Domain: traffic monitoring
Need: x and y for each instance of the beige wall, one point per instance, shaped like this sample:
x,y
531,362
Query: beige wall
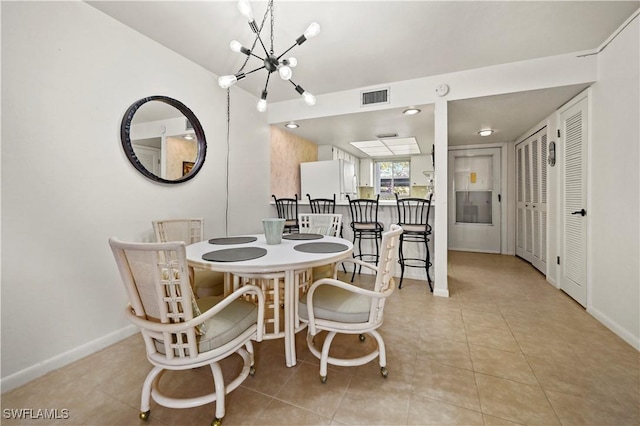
x,y
178,151
287,152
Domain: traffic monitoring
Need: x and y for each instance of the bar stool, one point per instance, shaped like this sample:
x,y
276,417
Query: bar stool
x,y
325,206
413,217
288,210
365,226
322,205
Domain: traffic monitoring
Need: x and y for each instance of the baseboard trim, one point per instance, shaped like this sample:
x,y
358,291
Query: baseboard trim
x,y
620,331
40,369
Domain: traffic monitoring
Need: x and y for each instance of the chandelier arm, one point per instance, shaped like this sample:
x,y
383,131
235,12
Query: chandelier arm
x,y
252,71
256,56
257,31
267,82
266,52
287,51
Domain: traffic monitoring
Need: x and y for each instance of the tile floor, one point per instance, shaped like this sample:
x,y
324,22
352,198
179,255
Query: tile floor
x,y
505,348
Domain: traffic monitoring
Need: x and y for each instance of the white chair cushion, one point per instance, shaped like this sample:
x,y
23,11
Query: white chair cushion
x,y
208,283
225,326
337,304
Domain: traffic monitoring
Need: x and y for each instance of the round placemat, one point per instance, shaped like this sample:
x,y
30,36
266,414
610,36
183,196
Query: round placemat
x,y
321,247
302,236
232,240
234,254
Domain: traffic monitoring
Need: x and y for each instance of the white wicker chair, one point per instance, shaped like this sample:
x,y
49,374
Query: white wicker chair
x,y
339,307
320,223
205,282
177,335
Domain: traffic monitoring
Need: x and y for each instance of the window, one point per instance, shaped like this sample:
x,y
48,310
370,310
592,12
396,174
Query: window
x,y
392,177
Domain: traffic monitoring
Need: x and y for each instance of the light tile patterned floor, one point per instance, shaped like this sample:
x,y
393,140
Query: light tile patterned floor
x,y
505,348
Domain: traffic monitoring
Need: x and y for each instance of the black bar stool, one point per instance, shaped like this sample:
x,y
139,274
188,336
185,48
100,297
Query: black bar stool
x,y
322,205
288,210
365,226
413,217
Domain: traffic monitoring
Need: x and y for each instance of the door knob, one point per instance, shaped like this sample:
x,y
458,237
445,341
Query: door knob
x,y
582,212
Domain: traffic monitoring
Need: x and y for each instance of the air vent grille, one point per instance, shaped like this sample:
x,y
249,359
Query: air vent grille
x,y
379,96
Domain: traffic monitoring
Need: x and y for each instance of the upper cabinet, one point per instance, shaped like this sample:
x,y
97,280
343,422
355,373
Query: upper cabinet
x,y
420,164
366,172
330,152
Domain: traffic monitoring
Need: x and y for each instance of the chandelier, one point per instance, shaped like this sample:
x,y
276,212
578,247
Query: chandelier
x,y
271,62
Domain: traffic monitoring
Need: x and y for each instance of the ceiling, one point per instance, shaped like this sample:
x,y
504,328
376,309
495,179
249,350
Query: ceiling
x,y
368,43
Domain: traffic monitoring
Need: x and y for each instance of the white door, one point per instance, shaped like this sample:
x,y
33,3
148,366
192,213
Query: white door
x,y
573,261
531,217
474,206
149,158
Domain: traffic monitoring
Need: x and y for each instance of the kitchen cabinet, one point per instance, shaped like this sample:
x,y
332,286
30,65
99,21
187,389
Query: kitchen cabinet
x,y
366,172
420,164
330,152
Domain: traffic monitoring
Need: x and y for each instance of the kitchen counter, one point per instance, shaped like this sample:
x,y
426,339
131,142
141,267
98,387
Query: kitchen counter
x,y
387,215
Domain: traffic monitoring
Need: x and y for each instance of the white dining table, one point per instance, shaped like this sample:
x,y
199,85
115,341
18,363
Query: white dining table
x,y
281,258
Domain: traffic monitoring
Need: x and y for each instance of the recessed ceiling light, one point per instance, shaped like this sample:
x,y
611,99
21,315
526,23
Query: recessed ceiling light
x,y
189,137
411,111
485,132
291,125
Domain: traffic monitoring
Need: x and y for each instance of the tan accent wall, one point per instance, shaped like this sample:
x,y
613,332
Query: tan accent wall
x,y
287,152
178,151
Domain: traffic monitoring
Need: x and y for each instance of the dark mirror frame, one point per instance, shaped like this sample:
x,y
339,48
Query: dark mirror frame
x,y
125,138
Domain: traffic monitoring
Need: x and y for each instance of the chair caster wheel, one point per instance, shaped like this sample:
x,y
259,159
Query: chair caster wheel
x,y
216,422
362,337
252,371
145,415
323,379
384,372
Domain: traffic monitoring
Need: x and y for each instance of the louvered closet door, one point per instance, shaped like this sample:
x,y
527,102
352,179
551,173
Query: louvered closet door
x,y
573,261
531,216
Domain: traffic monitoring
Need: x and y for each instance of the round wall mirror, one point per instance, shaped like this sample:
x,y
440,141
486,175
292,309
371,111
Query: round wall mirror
x,y
163,139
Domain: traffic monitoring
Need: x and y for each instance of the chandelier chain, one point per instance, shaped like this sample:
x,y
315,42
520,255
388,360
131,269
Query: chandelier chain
x,y
272,20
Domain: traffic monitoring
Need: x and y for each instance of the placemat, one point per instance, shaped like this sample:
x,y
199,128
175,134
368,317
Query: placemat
x,y
302,236
320,247
234,254
232,240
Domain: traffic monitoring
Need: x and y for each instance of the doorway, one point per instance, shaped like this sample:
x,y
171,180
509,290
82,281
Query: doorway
x,y
474,208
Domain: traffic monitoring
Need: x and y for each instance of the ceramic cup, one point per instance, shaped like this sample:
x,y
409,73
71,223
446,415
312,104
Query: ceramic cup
x,y
273,228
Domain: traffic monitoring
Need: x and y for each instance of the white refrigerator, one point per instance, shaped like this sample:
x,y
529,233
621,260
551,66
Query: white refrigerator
x,y
322,179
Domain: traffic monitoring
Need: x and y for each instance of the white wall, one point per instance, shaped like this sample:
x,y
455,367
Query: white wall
x,y
614,216
68,75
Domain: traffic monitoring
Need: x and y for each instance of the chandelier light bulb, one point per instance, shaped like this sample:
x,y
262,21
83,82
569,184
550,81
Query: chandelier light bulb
x,y
312,30
309,99
285,72
245,8
292,62
227,81
236,46
262,105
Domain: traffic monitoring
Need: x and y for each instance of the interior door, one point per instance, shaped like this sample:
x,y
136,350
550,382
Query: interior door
x,y
149,158
474,209
531,217
573,262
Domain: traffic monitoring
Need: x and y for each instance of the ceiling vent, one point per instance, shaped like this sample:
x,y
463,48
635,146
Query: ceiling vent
x,y
188,125
374,97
